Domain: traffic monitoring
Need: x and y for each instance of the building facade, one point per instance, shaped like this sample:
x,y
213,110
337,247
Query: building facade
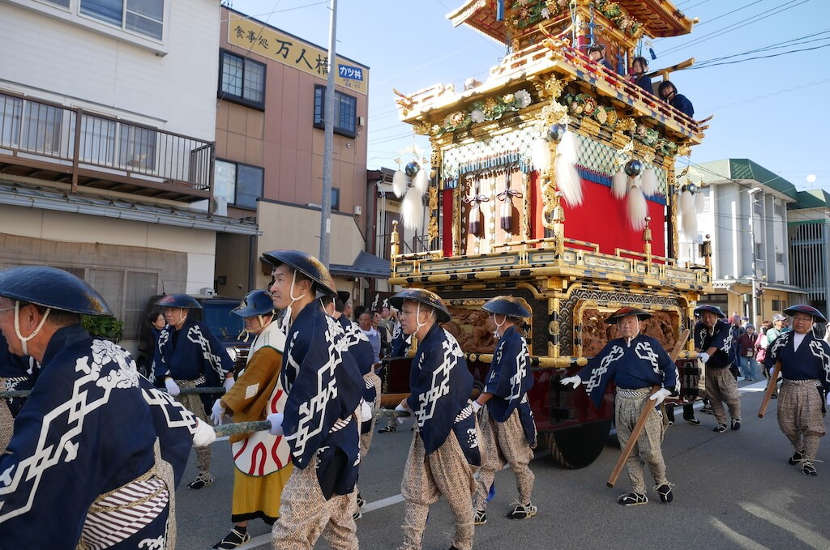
x,y
809,241
744,213
107,127
269,150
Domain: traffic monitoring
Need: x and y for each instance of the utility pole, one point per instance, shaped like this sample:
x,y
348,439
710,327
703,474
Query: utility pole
x,y
328,132
752,200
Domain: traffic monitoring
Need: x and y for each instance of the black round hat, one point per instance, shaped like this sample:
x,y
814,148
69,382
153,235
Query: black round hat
x,y
626,311
506,305
53,288
183,301
256,302
306,264
808,310
423,296
711,309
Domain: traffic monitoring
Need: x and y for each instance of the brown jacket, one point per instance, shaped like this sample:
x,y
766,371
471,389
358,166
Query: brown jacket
x,y
248,398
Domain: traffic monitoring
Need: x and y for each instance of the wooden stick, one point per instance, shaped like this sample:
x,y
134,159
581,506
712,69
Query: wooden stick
x,y
242,428
641,420
773,380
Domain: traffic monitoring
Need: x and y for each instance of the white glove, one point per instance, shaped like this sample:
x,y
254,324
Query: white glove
x,y
660,395
276,423
401,408
172,387
204,434
476,407
217,414
365,411
703,356
575,381
228,383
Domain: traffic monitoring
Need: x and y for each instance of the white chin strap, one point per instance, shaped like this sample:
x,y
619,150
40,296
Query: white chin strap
x,y
24,341
418,323
498,325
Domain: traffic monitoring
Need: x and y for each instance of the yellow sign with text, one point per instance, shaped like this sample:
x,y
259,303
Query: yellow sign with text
x,y
288,50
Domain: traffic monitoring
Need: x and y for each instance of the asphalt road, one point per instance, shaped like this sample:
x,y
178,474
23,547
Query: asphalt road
x,y
733,490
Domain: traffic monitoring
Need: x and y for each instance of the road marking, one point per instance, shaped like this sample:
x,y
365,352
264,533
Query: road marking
x,y
799,530
737,538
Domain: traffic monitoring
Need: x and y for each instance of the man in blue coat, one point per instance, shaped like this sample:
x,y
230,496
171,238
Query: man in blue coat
x,y
97,451
320,419
508,432
715,341
445,441
802,400
636,362
188,355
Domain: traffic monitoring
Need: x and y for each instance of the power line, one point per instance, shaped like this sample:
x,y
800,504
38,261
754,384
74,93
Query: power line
x,y
721,16
284,10
779,8
761,57
777,45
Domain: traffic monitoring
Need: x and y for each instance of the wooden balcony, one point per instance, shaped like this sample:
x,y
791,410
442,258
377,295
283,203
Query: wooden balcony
x,y
48,141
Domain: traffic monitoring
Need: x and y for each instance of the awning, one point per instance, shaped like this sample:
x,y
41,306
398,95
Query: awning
x,y
364,265
93,205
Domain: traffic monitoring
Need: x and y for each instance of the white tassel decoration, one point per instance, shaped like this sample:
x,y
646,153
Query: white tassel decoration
x,y
567,176
540,154
637,208
421,180
700,200
649,182
412,211
399,183
619,184
688,214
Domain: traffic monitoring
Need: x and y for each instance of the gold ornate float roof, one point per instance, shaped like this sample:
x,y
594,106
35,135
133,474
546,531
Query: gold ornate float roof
x,y
660,18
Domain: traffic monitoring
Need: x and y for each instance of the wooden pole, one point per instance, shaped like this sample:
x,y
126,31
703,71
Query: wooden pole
x,y
641,421
773,380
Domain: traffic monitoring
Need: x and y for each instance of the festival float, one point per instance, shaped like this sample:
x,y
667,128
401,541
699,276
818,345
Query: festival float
x,y
554,181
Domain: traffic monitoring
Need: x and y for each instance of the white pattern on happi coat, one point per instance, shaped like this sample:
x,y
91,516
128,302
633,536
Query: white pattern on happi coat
x,y
440,379
316,406
615,354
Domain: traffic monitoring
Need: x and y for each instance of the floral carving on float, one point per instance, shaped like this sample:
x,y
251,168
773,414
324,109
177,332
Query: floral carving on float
x,y
492,108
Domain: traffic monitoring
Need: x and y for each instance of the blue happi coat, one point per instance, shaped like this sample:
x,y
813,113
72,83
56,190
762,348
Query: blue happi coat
x,y
88,427
361,351
811,361
20,373
638,363
440,385
722,337
509,380
324,388
191,353
400,342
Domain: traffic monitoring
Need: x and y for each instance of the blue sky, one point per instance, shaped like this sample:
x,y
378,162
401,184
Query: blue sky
x,y
774,111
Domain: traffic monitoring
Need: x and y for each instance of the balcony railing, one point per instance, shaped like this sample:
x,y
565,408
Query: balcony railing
x,y
46,140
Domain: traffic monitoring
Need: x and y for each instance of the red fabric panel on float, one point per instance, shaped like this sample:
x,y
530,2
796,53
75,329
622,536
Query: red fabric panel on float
x,y
602,219
446,221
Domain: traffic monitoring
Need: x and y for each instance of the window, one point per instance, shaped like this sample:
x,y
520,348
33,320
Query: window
x,y
248,185
779,257
778,305
345,107
137,148
779,209
42,128
142,16
11,112
241,80
62,3
239,184
335,198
